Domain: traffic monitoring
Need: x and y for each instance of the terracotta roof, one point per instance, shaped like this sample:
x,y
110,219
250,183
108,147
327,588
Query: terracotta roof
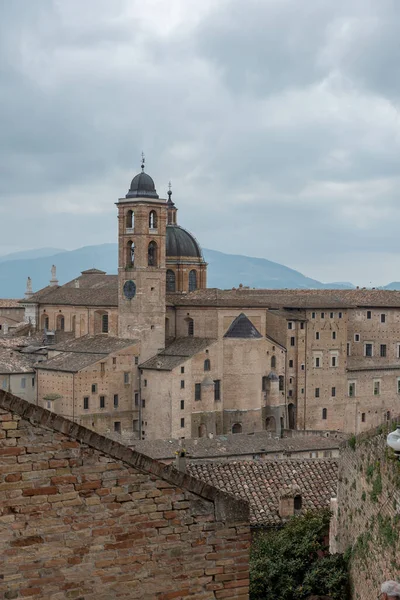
x,y
102,344
177,353
9,303
240,444
69,362
262,483
298,299
14,362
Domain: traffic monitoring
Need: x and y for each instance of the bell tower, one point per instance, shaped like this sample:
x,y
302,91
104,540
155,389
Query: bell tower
x,y
142,218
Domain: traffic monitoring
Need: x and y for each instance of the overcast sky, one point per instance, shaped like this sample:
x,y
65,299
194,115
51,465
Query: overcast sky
x,y
277,122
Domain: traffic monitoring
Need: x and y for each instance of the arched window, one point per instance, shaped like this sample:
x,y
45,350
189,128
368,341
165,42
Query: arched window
x,y
60,323
192,280
152,255
190,323
207,365
45,322
270,424
130,254
171,281
324,413
104,323
237,428
129,219
152,219
273,362
281,383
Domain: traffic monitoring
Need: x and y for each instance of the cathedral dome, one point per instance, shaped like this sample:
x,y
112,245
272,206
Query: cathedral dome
x,y
142,186
181,243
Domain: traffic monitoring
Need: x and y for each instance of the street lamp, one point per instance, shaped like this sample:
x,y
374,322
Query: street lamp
x,y
393,441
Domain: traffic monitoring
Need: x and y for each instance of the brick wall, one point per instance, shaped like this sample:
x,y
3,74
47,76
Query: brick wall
x,y
368,512
83,517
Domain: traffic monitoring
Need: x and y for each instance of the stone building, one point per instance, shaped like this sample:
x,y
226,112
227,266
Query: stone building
x,y
85,517
11,314
17,374
220,361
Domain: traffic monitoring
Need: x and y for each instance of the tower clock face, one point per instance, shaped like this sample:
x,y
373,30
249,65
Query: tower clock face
x,y
129,289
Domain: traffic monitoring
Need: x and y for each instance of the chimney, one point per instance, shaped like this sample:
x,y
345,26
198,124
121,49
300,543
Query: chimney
x,y
290,501
180,460
53,280
76,283
28,292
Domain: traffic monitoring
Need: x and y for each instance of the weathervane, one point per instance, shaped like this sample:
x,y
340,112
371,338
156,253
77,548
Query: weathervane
x,y
143,161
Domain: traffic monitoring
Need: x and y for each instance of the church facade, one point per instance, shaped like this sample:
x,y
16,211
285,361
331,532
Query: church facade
x,y
212,361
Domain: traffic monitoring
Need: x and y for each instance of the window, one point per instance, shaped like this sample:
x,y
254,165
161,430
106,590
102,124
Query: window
x,y
143,403
116,401
352,389
273,362
377,387
333,392
197,391
136,398
383,350
303,367
340,315
264,383
348,349
126,378
317,392
171,281
322,315
23,383
117,426
135,425
368,349
182,422
152,219
334,335
363,414
46,322
102,367
356,337
398,385
152,254
217,390
190,327
388,415
182,404
237,428
33,382
182,369
302,325
324,414
290,393
136,360
290,325
383,318
48,404
291,363
192,280
86,402
313,315
102,401
292,341
317,362
333,361
281,383
182,384
207,364
130,254
317,335
290,380
331,315
302,390
94,388
369,315
145,383
104,323
114,360
129,219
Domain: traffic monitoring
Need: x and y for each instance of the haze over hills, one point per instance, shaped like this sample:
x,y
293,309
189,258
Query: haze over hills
x,y
225,270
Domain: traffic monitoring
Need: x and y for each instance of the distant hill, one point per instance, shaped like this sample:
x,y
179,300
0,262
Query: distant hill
x,y
225,270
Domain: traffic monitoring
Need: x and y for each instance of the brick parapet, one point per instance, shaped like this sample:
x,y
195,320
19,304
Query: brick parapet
x,y
84,517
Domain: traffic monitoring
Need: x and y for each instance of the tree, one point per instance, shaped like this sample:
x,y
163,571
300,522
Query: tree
x,y
293,563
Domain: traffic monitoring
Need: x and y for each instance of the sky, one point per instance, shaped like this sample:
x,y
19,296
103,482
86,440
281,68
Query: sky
x,y
277,122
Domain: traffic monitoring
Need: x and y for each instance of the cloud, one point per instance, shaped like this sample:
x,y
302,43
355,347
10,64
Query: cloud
x,y
277,123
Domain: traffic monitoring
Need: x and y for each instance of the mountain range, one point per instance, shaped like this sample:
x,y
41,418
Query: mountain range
x,y
224,271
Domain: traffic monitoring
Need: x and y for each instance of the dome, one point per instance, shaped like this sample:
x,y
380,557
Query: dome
x,y
142,186
181,243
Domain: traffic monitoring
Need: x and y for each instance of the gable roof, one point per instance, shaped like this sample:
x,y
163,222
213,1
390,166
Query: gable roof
x,y
103,344
176,353
243,328
69,362
226,507
262,483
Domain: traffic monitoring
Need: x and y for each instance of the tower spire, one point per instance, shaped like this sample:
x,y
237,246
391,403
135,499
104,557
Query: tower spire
x,y
143,161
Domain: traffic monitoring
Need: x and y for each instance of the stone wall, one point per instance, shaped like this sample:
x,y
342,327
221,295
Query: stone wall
x,y
368,511
85,517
